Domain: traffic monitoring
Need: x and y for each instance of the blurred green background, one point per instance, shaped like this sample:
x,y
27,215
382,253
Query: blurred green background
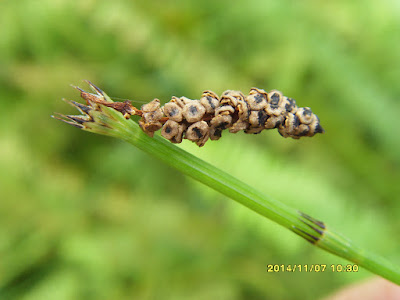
x,y
84,216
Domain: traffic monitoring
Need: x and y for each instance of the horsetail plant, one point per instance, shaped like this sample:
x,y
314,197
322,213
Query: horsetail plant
x,y
103,116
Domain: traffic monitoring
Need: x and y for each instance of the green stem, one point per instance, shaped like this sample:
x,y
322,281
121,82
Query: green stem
x,y
233,188
104,120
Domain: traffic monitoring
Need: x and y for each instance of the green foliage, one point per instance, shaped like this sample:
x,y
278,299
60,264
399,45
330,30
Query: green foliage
x,y
83,216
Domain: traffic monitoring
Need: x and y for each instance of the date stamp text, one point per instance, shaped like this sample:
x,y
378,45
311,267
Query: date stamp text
x,y
317,268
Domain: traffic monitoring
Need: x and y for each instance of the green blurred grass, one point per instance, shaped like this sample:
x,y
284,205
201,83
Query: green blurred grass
x,y
88,217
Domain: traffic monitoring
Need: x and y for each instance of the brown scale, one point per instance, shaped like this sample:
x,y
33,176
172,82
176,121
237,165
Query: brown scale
x,y
200,120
